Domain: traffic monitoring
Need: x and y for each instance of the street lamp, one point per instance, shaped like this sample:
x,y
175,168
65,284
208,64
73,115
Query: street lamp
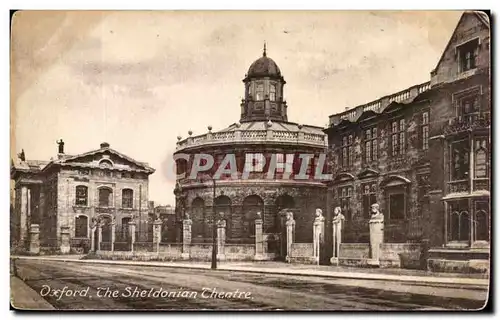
x,y
214,230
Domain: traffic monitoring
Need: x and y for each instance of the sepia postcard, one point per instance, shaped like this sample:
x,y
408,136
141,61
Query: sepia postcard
x,y
250,160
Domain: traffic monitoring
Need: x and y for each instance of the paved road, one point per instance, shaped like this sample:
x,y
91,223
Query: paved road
x,y
97,287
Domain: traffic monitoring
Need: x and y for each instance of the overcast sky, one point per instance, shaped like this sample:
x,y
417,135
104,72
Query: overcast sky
x,y
137,80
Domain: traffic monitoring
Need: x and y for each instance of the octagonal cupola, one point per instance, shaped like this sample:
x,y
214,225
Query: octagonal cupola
x,y
263,92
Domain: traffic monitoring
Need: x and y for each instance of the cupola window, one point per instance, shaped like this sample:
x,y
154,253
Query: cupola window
x,y
259,92
272,92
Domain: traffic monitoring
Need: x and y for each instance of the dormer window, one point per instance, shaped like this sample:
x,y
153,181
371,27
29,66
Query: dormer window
x,y
259,92
467,55
272,92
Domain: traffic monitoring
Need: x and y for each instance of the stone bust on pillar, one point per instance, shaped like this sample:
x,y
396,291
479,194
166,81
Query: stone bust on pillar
x,y
376,215
337,215
319,215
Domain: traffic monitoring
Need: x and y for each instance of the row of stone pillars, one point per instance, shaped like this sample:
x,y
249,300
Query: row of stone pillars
x,y
221,238
34,239
376,224
157,224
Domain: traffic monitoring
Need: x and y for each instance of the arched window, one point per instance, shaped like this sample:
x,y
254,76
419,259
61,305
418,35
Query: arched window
x,y
105,164
251,206
81,198
259,92
464,226
454,226
106,229
81,227
480,162
272,92
223,205
105,197
482,226
199,219
127,198
124,229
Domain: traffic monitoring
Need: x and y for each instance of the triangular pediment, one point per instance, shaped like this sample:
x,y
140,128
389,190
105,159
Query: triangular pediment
x,y
344,176
105,158
471,26
368,173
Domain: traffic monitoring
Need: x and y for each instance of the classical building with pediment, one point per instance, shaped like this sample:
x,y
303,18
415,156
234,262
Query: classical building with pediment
x,y
73,192
424,155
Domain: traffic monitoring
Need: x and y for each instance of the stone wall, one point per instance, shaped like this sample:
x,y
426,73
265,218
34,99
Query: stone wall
x,y
301,253
68,180
387,174
239,252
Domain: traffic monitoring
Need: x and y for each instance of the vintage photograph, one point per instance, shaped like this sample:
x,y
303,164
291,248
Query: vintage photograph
x,y
250,160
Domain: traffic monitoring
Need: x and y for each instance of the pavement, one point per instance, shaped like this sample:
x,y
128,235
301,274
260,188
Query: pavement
x,y
23,297
107,285
399,275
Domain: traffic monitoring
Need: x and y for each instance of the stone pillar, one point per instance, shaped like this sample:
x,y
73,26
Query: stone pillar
x,y
92,237
131,229
34,239
23,218
318,234
376,235
157,234
65,246
113,229
221,239
99,236
186,237
290,235
259,238
337,225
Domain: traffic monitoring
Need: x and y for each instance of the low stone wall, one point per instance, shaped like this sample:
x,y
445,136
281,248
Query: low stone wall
x,y
239,251
173,250
200,252
459,266
397,255
354,254
301,253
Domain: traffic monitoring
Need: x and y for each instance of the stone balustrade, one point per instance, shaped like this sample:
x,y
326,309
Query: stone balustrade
x,y
379,104
269,135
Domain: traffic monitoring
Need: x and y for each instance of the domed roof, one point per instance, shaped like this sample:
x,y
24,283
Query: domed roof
x,y
263,67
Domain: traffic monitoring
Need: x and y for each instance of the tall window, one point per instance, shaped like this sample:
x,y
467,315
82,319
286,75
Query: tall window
x,y
482,221
459,221
468,55
460,152
398,137
127,198
481,158
81,227
259,92
105,197
425,130
369,197
81,196
347,156
397,206
345,194
272,92
370,152
468,106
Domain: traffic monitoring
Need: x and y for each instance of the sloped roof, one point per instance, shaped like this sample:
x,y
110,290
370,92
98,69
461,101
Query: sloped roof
x,y
40,165
275,125
481,16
